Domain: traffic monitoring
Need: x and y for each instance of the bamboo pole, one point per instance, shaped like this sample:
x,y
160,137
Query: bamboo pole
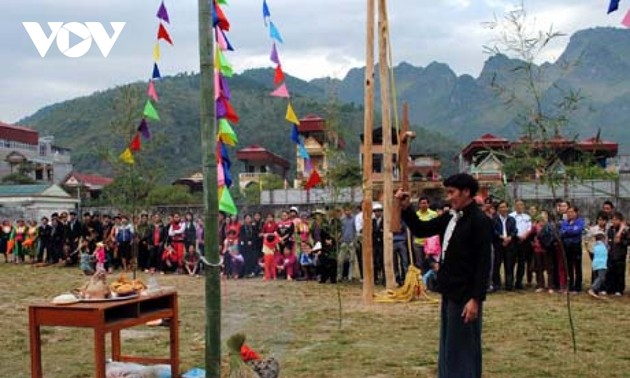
x,y
388,187
211,203
368,127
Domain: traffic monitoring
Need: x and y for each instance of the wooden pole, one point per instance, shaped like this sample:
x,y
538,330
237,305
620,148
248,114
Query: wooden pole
x,y
368,127
403,153
388,187
211,203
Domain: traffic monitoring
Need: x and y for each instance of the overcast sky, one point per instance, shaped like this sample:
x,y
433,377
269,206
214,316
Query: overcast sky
x,y
322,38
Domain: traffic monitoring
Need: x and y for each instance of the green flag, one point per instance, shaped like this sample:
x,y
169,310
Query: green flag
x,y
226,133
150,111
226,203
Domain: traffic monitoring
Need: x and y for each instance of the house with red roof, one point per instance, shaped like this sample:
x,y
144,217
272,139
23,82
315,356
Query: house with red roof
x,y
23,150
259,162
318,138
87,186
484,157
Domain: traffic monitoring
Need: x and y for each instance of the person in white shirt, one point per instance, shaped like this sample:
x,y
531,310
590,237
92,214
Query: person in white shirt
x,y
524,252
358,225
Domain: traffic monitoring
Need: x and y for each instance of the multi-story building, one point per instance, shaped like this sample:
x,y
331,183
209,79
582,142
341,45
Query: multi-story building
x,y
23,150
318,139
259,162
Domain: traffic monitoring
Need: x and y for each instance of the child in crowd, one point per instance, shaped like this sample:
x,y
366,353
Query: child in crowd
x,y
600,262
170,260
192,260
287,263
236,261
230,240
85,259
101,256
306,261
270,244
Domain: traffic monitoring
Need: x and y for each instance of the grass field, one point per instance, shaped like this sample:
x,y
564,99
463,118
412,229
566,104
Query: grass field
x,y
524,334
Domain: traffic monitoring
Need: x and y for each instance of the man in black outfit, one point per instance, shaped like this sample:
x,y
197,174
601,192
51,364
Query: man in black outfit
x,y
462,273
505,235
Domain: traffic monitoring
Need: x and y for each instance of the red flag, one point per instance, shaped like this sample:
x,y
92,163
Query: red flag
x,y
314,180
163,34
230,112
279,76
220,18
135,143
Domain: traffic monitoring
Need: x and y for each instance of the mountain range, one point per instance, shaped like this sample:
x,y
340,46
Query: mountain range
x,y
446,110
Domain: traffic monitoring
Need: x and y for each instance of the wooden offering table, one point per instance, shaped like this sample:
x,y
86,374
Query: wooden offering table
x,y
105,317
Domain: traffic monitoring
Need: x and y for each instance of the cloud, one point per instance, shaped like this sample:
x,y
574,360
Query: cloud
x,y
322,38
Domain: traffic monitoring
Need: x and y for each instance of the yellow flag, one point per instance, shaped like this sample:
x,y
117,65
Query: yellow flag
x,y
156,52
127,157
291,117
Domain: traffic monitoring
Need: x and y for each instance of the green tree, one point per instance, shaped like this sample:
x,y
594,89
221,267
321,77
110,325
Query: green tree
x,y
17,178
170,195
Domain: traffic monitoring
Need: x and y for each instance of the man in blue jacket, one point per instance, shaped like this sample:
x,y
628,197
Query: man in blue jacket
x,y
571,230
504,240
462,273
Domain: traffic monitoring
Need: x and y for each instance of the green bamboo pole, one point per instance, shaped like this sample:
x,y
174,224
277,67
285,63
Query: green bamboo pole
x,y
210,191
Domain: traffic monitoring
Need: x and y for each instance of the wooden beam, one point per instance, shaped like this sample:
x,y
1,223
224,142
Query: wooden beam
x,y
388,189
368,127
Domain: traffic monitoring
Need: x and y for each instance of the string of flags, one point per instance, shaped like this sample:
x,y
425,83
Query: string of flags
x,y
614,6
150,112
225,113
282,91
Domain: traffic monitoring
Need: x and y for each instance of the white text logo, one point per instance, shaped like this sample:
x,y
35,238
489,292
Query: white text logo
x,y
85,31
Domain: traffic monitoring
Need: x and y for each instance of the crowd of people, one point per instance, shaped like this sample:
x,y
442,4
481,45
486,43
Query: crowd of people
x,y
531,247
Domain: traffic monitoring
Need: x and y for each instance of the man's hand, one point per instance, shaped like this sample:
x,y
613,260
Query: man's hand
x,y
404,198
471,311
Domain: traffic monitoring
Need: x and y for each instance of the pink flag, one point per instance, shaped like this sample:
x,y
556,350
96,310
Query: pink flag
x,y
281,91
151,92
220,39
217,85
221,175
626,20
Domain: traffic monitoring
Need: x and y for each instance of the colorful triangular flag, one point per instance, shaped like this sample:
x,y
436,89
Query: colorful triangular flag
x,y
150,111
274,54
291,117
127,157
219,18
225,88
228,45
135,143
162,13
281,91
295,135
266,13
613,6
151,92
314,180
220,109
302,152
220,175
221,40
226,203
226,133
156,72
224,65
626,20
143,129
163,34
274,33
156,51
278,76
230,114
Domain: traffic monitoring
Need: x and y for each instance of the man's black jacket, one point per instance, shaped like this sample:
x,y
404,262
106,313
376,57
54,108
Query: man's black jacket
x,y
465,270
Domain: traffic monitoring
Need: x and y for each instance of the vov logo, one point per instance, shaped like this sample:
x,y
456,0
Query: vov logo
x,y
61,32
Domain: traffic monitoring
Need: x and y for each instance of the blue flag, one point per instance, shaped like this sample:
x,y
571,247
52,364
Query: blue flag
x,y
266,13
613,6
302,151
156,72
295,136
274,33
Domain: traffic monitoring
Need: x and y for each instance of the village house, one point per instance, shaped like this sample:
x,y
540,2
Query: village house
x,y
23,150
